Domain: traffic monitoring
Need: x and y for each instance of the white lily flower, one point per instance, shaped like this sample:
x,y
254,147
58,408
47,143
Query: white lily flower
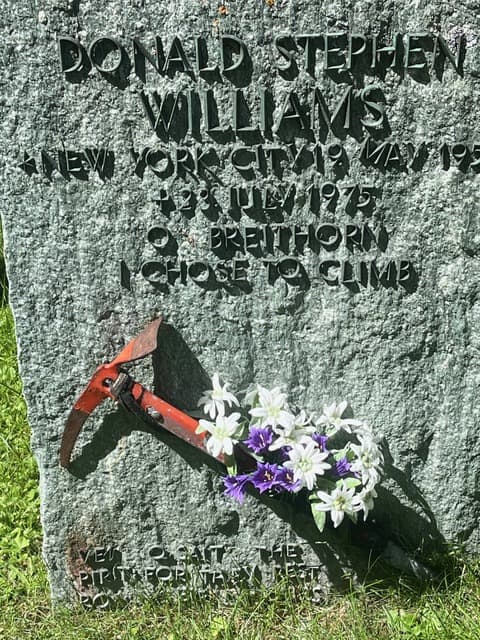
x,y
222,432
338,503
213,400
304,422
297,432
363,430
331,419
307,462
368,462
251,396
364,500
272,409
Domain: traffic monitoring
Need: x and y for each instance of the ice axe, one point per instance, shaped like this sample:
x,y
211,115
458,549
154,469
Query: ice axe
x,y
111,380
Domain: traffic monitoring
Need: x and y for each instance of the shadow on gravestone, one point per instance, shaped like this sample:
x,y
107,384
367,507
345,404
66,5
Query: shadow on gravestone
x,y
412,528
395,533
178,376
3,274
3,283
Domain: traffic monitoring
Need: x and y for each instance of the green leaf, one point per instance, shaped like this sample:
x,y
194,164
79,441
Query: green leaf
x,y
231,465
320,518
350,483
323,484
353,517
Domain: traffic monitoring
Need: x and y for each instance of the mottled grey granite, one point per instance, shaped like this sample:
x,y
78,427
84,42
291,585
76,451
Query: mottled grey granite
x,y
407,360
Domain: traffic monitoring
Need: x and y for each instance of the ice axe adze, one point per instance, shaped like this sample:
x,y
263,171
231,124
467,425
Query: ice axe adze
x,y
111,380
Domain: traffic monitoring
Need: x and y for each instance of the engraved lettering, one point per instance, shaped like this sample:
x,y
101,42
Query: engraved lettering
x,y
230,46
292,113
202,59
72,54
334,59
357,46
285,45
324,269
141,54
375,108
311,42
166,115
103,49
390,52
176,59
415,56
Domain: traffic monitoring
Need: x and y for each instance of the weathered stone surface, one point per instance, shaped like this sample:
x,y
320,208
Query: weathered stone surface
x,y
406,357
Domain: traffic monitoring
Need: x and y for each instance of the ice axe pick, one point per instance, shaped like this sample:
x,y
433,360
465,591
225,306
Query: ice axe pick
x,y
111,380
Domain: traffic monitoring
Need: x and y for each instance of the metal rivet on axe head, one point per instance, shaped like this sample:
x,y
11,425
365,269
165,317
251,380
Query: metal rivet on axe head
x,y
153,413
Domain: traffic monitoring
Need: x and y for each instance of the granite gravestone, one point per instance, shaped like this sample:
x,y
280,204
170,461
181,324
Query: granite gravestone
x,y
291,185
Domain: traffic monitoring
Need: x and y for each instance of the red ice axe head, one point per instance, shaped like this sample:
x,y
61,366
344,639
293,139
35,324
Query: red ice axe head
x,y
105,384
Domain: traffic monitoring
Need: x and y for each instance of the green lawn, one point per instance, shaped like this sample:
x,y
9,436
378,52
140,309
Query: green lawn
x,y
449,609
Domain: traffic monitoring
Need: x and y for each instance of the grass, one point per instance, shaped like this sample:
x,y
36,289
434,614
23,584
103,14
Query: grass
x,y
398,609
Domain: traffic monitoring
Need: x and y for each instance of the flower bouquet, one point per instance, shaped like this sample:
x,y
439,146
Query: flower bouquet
x,y
335,459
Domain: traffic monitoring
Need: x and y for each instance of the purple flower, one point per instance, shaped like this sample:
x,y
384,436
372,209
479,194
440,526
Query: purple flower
x,y
283,454
259,439
341,467
321,440
266,476
235,486
286,480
